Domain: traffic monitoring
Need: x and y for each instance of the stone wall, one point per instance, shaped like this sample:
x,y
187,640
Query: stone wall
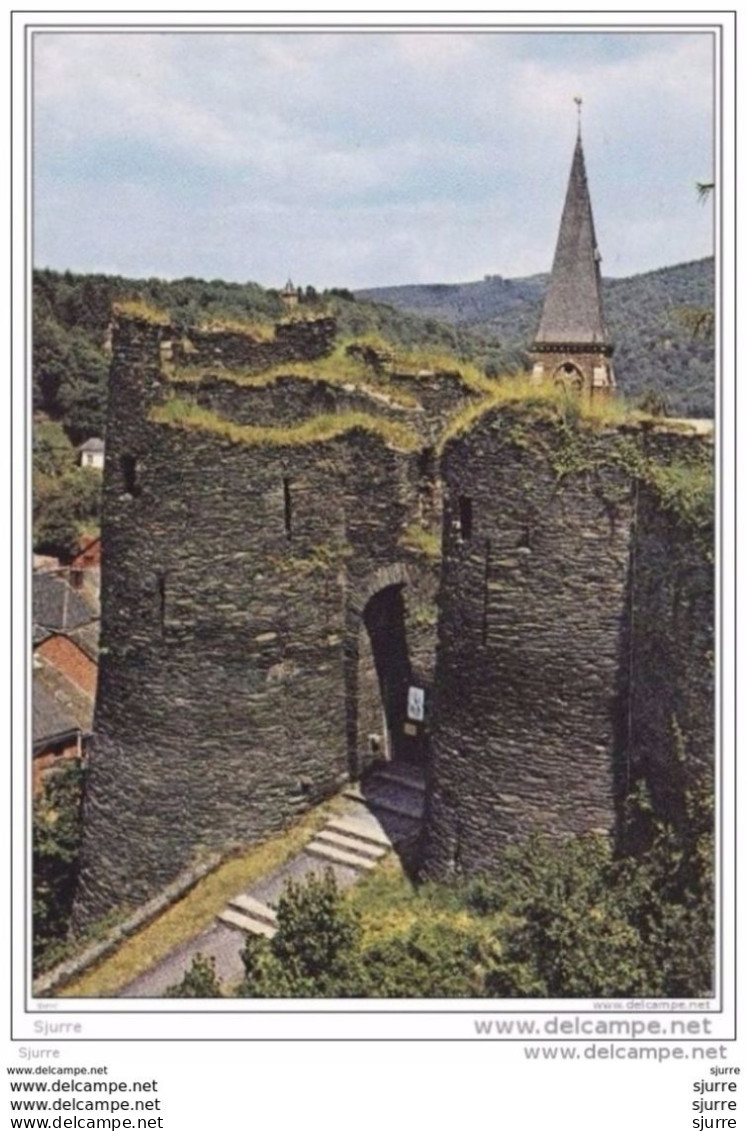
x,y
252,593
235,581
575,613
299,340
289,400
573,366
671,676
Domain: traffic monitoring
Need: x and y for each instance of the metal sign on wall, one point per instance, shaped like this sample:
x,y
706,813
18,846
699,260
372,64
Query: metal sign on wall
x,y
416,704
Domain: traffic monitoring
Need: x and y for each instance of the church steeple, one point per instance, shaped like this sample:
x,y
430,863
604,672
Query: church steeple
x,y
572,345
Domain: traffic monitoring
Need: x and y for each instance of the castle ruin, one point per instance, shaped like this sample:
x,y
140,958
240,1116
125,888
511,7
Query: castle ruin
x,y
292,548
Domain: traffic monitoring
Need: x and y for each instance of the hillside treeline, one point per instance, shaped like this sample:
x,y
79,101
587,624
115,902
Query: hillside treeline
x,y
661,323
71,316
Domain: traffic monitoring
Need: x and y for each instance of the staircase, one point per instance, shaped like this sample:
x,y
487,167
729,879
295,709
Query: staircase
x,y
383,810
250,916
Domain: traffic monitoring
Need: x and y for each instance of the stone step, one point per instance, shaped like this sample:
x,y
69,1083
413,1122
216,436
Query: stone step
x,y
386,804
254,908
351,843
369,831
334,855
244,923
399,776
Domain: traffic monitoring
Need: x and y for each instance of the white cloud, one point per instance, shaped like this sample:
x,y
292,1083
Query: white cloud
x,y
368,158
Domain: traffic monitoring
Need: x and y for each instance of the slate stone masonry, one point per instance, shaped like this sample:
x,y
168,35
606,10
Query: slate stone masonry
x,y
234,585
574,639
256,599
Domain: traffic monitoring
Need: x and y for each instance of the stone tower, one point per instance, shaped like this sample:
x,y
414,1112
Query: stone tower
x,y
289,297
572,346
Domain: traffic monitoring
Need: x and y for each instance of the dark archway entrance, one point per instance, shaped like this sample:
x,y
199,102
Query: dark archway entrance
x,y
384,677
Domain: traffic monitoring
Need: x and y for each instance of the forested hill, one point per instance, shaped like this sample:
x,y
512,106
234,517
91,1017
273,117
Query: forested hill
x,y
468,304
657,321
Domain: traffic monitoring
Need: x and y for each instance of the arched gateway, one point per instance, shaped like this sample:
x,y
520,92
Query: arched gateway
x,y
385,701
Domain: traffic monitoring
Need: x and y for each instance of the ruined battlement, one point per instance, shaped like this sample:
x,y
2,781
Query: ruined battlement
x,y
255,348
284,547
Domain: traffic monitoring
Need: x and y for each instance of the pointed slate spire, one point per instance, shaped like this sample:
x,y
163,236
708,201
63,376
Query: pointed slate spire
x,y
572,313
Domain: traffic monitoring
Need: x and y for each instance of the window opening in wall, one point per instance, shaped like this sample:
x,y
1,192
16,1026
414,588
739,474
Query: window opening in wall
x,y
465,518
287,507
425,463
130,475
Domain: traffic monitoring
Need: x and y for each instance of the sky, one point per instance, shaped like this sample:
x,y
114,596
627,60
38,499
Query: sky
x,y
360,160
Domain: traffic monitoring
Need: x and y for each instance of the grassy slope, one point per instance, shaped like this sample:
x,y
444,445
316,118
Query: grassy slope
x,y
196,911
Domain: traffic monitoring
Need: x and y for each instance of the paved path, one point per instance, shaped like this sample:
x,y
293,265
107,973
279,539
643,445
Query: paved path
x,y
389,804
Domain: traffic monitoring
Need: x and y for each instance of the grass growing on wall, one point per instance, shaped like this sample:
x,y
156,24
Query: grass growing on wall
x,y
683,484
422,541
256,328
141,310
422,363
686,487
342,368
185,414
546,400
338,368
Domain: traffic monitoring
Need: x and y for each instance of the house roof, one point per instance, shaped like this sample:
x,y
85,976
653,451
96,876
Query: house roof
x,y
40,634
95,444
572,311
58,706
87,639
56,605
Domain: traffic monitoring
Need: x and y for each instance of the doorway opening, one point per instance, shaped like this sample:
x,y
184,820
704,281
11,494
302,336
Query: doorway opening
x,y
384,677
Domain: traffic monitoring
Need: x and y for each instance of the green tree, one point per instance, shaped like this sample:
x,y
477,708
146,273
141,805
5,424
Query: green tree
x,y
199,981
54,455
51,363
315,950
63,506
317,933
431,959
565,934
56,843
82,392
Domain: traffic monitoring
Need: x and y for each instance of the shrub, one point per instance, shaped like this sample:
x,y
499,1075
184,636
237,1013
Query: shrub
x,y
315,950
200,981
556,919
432,959
56,843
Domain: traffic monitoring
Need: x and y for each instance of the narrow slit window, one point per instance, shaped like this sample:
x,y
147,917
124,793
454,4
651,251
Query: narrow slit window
x,y
287,507
465,517
130,475
525,538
